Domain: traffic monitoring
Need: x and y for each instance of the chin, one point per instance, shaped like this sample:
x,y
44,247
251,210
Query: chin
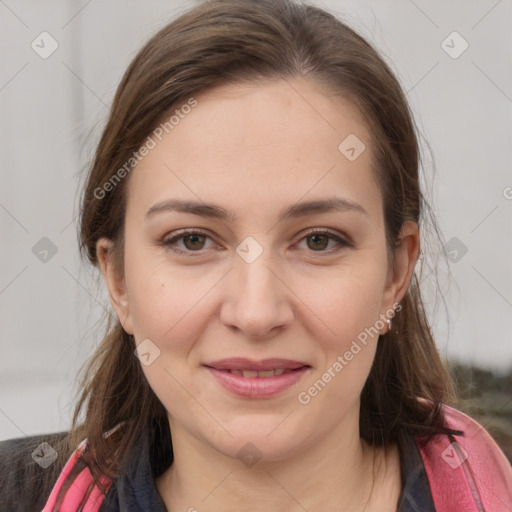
x,y
267,440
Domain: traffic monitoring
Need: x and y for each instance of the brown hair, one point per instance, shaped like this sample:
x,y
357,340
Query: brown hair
x,y
222,41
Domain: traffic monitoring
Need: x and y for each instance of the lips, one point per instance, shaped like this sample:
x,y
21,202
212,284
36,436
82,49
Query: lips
x,y
257,379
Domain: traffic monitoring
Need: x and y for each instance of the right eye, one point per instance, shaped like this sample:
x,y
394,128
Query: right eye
x,y
192,241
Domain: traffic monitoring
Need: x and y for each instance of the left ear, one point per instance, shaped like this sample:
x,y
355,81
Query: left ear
x,y
406,256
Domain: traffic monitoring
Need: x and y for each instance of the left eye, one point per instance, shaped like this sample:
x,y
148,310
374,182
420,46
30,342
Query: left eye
x,y
319,240
194,241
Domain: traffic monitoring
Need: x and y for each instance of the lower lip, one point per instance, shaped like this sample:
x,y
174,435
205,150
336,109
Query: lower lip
x,y
257,387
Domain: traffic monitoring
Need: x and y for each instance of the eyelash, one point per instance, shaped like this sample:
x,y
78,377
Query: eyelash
x,y
168,243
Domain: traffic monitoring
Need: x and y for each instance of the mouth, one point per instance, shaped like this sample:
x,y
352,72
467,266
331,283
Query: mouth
x,y
257,379
247,374
242,363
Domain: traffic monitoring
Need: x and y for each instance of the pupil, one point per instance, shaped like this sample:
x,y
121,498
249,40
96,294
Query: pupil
x,y
194,239
315,238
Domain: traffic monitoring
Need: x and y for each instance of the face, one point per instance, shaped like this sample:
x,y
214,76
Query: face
x,y
282,256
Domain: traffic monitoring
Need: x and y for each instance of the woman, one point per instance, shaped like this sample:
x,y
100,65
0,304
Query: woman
x,y
254,209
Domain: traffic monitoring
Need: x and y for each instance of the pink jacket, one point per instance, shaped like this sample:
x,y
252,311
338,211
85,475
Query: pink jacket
x,y
470,474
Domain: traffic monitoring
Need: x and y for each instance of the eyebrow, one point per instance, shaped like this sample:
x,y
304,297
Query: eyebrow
x,y
217,212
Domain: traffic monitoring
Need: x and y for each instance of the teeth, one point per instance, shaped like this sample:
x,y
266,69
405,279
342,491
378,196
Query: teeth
x,y
249,373
254,373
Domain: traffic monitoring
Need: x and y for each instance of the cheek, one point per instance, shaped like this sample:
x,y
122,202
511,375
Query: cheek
x,y
167,304
160,309
349,308
348,301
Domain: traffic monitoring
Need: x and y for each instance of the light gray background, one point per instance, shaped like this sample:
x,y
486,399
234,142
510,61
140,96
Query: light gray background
x,y
52,111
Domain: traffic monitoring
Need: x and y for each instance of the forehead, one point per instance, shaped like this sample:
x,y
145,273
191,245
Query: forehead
x,y
259,143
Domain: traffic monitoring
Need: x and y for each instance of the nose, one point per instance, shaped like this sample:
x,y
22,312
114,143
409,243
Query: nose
x,y
258,302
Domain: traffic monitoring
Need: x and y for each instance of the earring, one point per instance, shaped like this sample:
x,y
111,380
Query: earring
x,y
389,325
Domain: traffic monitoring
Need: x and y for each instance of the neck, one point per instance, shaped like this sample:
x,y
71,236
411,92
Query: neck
x,y
336,471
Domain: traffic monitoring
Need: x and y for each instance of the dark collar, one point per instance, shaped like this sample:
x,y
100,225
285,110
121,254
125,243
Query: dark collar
x,y
416,495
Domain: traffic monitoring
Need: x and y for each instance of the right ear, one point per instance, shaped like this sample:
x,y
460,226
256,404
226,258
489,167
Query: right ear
x,y
115,282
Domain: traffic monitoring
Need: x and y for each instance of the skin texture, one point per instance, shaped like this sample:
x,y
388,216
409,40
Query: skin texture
x,y
255,149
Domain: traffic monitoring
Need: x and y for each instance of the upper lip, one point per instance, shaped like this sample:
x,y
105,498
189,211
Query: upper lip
x,y
240,363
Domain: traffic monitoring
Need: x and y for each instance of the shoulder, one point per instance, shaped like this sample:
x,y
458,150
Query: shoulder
x,y
29,467
468,469
477,440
